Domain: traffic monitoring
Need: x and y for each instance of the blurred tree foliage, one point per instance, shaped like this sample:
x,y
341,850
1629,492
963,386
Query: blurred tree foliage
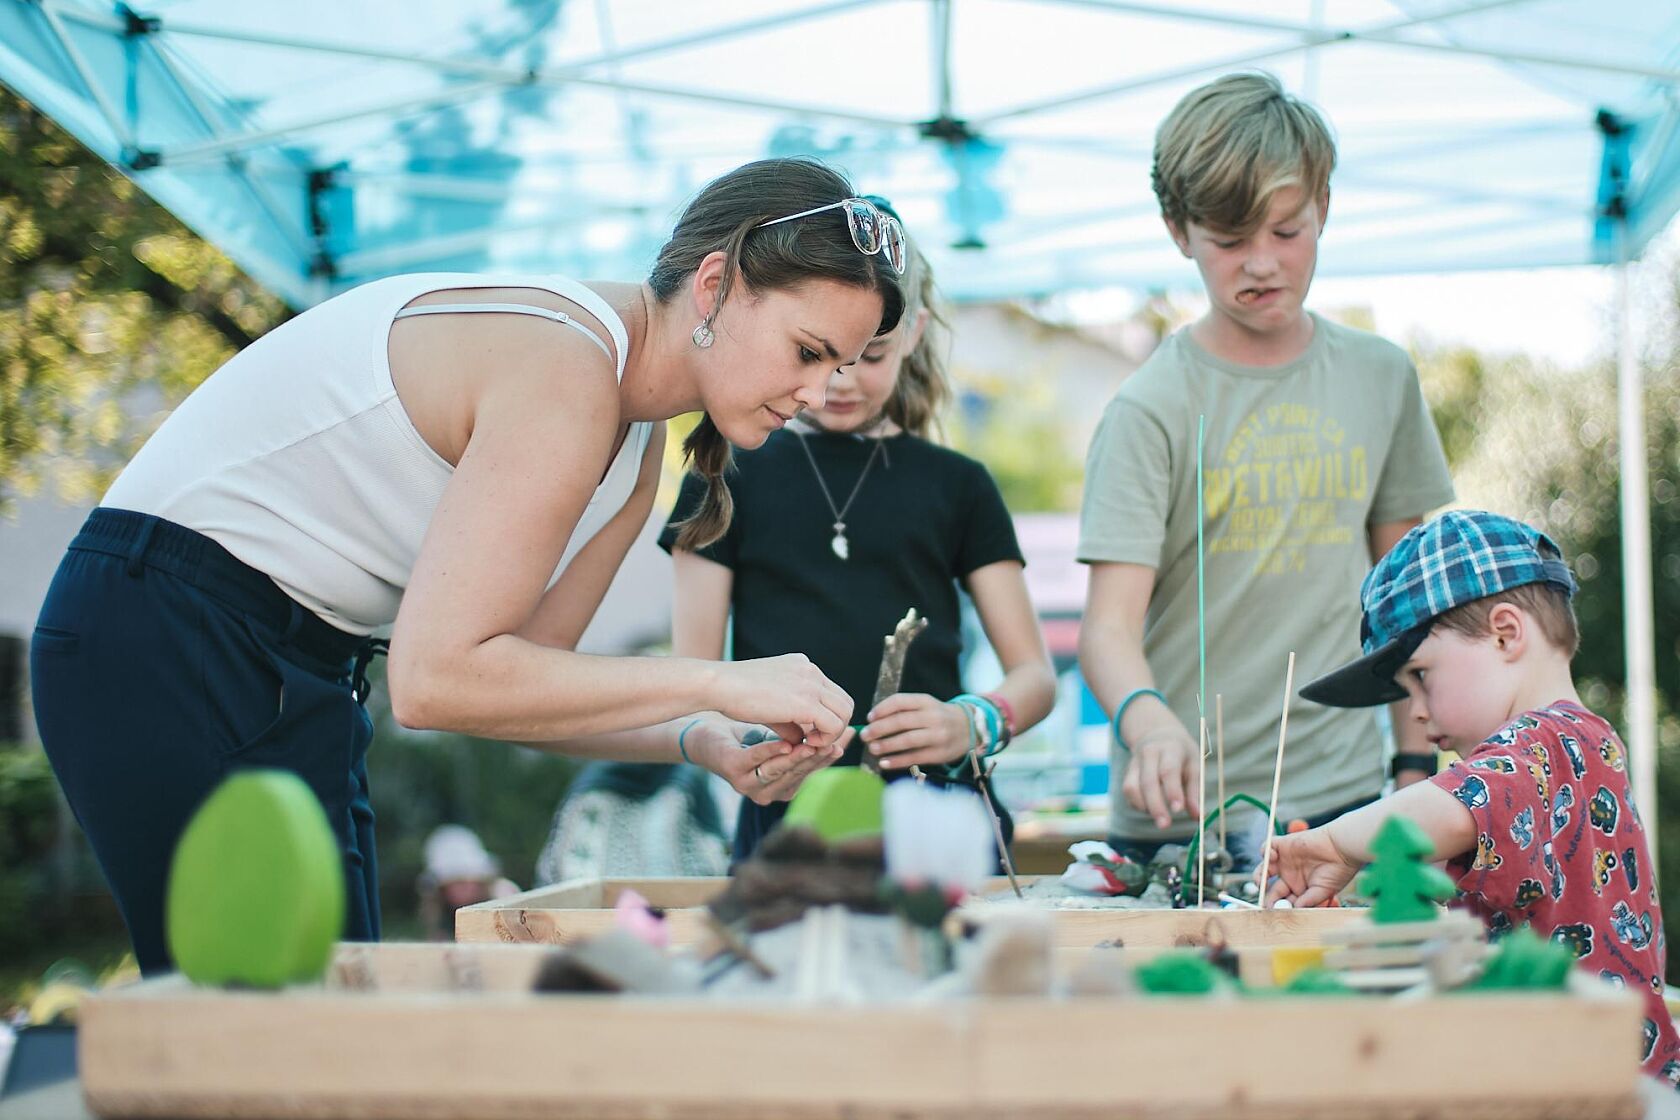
x,y
1018,432
505,792
110,311
28,820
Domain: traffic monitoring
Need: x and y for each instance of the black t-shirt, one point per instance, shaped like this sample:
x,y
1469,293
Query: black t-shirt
x,y
923,519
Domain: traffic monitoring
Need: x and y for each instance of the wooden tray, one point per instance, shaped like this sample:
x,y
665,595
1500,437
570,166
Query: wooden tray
x,y
448,1031
583,907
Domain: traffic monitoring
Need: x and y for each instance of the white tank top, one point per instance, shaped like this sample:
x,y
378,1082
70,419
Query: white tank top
x,y
297,457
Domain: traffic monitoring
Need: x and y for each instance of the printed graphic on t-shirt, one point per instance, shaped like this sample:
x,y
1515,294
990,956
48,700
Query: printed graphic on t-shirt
x,y
1273,490
1559,847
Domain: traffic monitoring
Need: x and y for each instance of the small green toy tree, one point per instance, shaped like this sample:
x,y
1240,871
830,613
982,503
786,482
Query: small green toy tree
x,y
1403,888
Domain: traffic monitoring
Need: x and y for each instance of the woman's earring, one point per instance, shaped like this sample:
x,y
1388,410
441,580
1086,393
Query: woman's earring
x,y
703,336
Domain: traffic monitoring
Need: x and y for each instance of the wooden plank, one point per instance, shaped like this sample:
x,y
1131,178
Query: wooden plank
x,y
1136,929
1254,963
1244,1058
564,913
163,1048
433,967
670,893
240,1055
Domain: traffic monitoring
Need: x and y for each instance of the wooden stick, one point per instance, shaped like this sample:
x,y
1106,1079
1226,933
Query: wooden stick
x,y
1277,780
1202,813
1219,741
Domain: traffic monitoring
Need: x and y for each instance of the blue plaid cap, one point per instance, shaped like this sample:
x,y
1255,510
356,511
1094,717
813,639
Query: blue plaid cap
x,y
1457,558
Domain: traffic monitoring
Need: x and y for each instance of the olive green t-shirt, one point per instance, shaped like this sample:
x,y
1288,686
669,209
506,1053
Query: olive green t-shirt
x,y
1299,460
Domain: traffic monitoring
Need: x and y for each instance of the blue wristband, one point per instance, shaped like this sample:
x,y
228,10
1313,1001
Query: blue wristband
x,y
989,715
1120,712
683,734
964,766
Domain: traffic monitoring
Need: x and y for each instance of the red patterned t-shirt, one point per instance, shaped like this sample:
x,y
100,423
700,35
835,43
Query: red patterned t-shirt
x,y
1560,847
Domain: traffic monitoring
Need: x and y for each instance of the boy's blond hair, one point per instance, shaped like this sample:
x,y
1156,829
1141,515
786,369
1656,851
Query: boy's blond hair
x,y
1229,147
1546,603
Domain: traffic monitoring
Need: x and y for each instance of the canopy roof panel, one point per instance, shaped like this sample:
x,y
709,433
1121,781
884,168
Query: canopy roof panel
x,y
322,144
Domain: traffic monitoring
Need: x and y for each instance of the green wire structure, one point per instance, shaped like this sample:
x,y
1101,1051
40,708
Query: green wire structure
x,y
1193,853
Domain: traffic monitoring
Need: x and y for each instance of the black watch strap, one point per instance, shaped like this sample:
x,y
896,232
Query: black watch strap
x,y
1413,760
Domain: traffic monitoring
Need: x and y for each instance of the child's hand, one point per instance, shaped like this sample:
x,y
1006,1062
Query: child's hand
x,y
1308,868
914,729
1161,774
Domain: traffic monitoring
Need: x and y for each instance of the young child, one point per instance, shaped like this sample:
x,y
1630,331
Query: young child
x,y
1319,455
843,521
1469,619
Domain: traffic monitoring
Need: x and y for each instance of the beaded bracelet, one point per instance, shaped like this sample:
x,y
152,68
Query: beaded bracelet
x,y
1008,714
971,716
991,716
985,733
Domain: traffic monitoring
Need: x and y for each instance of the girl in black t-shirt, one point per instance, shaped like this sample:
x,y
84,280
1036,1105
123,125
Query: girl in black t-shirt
x,y
844,520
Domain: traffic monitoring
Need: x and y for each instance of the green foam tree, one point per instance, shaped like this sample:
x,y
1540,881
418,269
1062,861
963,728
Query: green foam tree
x,y
256,889
839,803
1401,886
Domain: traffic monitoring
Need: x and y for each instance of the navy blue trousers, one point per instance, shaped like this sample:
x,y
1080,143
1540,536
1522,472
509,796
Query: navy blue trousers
x,y
161,664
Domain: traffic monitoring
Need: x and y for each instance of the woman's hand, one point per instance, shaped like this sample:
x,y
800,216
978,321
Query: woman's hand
x,y
761,770
789,695
914,729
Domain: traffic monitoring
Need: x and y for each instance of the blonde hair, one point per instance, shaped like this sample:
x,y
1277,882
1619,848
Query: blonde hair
x,y
924,385
1229,147
1546,603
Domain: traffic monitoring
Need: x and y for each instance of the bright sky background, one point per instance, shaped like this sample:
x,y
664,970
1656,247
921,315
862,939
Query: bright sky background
x,y
1564,315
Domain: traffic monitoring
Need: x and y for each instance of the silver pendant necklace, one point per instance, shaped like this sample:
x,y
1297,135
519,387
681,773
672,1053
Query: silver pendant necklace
x,y
840,545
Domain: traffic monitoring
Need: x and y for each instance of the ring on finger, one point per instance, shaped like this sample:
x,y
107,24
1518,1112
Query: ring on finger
x,y
762,780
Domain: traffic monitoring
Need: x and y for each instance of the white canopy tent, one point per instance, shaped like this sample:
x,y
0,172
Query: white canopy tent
x,y
321,144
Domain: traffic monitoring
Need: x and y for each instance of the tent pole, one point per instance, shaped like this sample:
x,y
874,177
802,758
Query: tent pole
x,y
1638,629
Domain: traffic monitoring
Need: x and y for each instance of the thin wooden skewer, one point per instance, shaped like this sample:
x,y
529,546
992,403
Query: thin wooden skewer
x,y
1201,662
1277,780
1219,742
1201,815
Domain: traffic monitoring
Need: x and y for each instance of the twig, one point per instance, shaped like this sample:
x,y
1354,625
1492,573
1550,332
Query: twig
x,y
980,783
736,945
1277,780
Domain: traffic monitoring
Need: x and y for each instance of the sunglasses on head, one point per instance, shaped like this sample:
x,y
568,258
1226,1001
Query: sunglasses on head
x,y
873,231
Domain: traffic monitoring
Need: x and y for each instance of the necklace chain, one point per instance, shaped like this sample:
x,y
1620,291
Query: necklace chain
x,y
840,513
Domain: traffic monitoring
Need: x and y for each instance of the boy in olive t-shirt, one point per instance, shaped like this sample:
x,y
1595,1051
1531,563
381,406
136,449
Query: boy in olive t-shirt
x,y
1319,454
